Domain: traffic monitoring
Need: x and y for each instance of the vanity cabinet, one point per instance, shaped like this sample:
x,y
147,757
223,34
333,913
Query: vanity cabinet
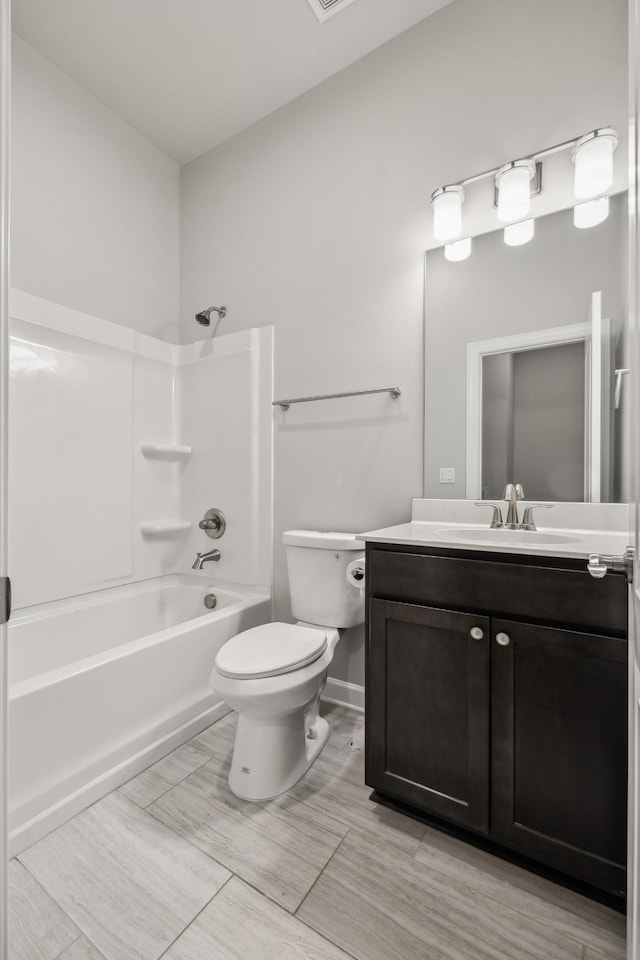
x,y
496,700
428,693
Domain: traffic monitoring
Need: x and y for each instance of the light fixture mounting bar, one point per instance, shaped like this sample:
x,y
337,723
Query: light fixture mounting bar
x,y
538,155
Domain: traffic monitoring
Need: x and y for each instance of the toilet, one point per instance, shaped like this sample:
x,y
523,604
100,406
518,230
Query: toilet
x,y
273,675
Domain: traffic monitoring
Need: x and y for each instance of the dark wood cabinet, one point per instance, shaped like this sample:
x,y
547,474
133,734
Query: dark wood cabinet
x,y
496,700
559,761
432,748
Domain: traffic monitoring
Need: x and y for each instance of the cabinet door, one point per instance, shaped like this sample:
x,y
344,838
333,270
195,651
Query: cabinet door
x,y
559,749
428,710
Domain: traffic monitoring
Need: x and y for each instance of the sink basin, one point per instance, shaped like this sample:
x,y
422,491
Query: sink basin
x,y
513,538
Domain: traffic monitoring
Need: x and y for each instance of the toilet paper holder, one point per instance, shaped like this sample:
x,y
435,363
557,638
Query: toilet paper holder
x,y
356,573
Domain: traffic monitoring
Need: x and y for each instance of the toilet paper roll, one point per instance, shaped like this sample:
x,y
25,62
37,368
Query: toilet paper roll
x,y
356,574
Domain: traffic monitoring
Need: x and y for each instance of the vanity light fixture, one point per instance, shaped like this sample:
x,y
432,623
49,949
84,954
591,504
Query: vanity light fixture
x,y
592,156
519,180
590,213
447,212
513,184
515,234
458,250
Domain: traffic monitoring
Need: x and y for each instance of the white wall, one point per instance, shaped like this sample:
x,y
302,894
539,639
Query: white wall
x,y
94,206
316,220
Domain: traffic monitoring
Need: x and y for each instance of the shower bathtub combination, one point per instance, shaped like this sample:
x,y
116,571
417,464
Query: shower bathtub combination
x,y
104,684
110,643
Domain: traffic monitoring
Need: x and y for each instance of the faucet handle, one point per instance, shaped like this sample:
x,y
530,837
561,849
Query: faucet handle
x,y
527,520
519,491
496,519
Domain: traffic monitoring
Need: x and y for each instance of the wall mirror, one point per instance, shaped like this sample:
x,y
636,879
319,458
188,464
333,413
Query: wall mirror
x,y
521,348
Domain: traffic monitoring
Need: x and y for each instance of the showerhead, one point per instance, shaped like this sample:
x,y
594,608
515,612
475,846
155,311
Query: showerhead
x,y
204,317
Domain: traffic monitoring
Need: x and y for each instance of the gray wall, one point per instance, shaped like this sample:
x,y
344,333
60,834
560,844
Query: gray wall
x,y
500,291
548,422
94,206
316,220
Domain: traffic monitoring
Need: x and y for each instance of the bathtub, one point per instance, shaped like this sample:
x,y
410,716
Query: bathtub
x,y
101,686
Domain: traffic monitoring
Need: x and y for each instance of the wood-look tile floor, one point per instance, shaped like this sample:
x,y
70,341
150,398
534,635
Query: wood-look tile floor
x,y
172,865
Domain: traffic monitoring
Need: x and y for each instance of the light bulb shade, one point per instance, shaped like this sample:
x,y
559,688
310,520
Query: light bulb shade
x,y
518,233
447,213
514,190
591,213
593,160
458,250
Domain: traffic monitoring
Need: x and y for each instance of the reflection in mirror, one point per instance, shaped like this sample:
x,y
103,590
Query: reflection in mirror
x,y
521,344
534,400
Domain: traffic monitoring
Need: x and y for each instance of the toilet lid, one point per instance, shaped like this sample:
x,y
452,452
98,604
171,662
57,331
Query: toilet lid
x,y
269,650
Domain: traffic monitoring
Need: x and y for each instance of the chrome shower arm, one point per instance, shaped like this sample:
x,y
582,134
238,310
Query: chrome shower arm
x,y
204,317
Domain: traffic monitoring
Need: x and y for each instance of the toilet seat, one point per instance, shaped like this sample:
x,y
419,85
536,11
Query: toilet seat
x,y
270,650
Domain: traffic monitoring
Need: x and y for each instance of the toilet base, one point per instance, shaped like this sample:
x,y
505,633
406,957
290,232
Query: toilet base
x,y
270,755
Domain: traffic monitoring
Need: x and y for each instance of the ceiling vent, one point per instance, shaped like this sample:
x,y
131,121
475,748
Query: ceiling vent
x,y
326,8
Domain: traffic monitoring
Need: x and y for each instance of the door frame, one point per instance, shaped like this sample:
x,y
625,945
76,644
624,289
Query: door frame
x,y
596,433
633,851
5,129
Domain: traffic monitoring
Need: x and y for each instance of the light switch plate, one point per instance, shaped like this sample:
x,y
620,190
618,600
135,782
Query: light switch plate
x,y
447,475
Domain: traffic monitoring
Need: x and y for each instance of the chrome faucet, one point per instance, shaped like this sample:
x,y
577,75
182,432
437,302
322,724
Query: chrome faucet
x,y
496,516
202,558
512,493
527,520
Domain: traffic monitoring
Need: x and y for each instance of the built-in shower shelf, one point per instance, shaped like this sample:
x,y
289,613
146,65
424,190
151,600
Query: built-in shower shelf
x,y
162,528
165,451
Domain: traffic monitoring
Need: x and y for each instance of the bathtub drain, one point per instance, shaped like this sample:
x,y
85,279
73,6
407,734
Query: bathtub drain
x,y
210,601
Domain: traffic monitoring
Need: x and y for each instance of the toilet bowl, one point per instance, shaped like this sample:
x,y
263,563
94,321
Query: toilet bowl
x,y
273,675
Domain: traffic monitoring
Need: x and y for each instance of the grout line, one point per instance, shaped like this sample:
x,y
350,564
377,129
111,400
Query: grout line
x,y
176,784
307,894
202,749
295,912
271,901
194,918
58,955
187,840
53,899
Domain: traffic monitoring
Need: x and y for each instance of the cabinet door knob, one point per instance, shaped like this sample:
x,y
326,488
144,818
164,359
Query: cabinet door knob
x,y
503,639
477,633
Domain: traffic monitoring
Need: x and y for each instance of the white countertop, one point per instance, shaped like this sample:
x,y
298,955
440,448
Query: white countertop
x,y
569,530
420,533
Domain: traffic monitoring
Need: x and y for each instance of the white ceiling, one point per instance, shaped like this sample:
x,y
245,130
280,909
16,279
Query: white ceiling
x,y
189,74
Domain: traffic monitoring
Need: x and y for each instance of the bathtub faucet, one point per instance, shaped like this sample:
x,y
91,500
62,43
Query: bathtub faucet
x,y
202,558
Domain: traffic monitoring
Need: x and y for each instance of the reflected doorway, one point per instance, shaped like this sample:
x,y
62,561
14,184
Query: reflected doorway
x,y
533,417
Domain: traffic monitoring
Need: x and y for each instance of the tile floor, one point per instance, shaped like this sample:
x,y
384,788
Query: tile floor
x,y
172,865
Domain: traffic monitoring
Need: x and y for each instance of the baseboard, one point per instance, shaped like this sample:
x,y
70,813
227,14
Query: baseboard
x,y
344,694
58,813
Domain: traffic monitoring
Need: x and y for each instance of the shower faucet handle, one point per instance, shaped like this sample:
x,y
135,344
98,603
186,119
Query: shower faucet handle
x,y
209,524
213,523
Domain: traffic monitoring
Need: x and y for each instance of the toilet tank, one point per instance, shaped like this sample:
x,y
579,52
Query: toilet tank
x,y
317,567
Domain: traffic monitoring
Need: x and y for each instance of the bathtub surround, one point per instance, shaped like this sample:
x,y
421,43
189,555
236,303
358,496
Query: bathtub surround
x,y
116,437
316,220
120,442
